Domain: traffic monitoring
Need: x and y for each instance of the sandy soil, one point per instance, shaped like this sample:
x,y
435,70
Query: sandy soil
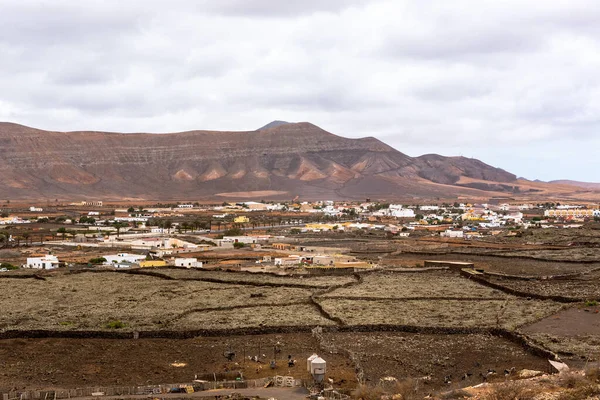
x,y
574,321
104,362
573,333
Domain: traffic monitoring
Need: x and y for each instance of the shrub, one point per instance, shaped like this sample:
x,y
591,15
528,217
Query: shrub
x,y
571,380
8,266
591,303
511,390
233,232
364,392
97,260
115,324
406,388
238,245
592,372
455,394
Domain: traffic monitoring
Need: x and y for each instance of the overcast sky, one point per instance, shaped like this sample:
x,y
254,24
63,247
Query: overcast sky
x,y
514,83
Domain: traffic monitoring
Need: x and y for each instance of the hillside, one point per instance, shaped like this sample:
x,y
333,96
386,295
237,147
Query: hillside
x,y
280,159
585,185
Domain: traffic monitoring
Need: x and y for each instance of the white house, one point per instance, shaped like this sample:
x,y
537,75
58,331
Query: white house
x,y
290,260
429,208
123,257
452,234
396,210
47,262
188,262
35,209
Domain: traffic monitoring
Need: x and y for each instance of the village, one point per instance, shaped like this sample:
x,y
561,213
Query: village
x,y
213,290
153,240
179,234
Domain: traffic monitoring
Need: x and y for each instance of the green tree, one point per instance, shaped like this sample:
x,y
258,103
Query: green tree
x,y
63,231
233,232
238,245
131,209
118,226
8,266
185,226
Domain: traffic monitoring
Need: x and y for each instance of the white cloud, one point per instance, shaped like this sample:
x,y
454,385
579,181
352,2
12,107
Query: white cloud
x,y
512,83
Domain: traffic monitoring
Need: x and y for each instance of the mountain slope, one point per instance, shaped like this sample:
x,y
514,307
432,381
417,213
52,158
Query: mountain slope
x,y
291,158
585,185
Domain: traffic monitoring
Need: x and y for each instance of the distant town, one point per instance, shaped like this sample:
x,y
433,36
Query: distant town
x,y
166,234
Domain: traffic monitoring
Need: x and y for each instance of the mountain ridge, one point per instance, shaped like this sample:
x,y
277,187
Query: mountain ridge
x,y
291,158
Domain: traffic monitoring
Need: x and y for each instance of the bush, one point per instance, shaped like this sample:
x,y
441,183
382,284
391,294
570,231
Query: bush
x,y
511,390
115,325
238,245
97,260
592,372
455,394
364,392
571,380
8,266
591,303
579,386
233,232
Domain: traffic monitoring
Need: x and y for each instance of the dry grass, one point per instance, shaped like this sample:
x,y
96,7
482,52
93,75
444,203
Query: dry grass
x,y
309,282
578,386
445,313
587,346
90,301
407,285
293,315
400,390
577,288
512,390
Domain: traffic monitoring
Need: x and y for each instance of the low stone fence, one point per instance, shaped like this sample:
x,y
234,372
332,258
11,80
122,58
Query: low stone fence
x,y
196,386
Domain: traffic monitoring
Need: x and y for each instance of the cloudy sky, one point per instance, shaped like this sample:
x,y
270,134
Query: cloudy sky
x,y
514,83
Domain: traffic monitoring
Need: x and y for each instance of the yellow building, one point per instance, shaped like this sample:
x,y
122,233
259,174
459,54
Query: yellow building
x,y
571,212
153,263
242,219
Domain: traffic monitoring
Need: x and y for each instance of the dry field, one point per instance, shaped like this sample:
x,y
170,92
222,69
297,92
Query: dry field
x,y
309,282
571,254
89,301
262,316
498,264
584,287
103,362
421,285
510,313
127,362
573,333
435,356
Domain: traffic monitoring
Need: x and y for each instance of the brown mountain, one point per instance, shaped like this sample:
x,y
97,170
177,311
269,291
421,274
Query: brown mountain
x,y
586,185
281,159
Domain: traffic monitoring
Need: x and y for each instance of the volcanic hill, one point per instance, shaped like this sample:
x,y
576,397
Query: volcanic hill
x,y
280,160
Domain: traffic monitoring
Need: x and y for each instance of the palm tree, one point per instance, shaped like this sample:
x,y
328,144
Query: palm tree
x,y
26,237
118,226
